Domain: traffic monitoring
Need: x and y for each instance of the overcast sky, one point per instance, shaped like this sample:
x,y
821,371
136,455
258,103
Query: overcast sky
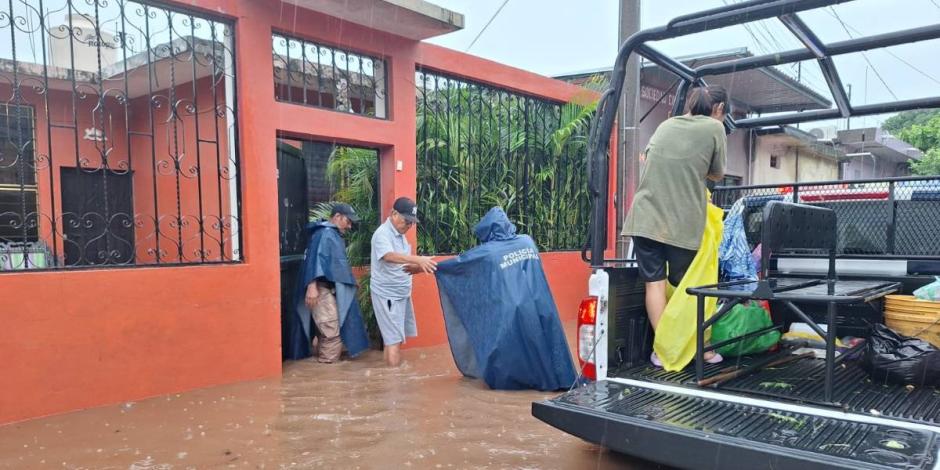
x,y
554,37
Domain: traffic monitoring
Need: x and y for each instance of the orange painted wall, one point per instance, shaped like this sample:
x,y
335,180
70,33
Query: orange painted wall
x,y
85,338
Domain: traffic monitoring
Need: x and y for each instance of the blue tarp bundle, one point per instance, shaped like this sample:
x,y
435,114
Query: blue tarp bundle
x,y
325,259
734,253
500,316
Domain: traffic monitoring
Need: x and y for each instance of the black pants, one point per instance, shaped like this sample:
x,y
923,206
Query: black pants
x,y
653,257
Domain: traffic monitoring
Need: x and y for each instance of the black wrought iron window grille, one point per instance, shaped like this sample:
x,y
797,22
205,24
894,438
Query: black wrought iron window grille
x,y
480,146
313,74
118,141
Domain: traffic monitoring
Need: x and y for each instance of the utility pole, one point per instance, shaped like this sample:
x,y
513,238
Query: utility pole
x,y
628,162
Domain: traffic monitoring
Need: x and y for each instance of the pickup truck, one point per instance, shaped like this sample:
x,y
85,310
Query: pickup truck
x,y
773,418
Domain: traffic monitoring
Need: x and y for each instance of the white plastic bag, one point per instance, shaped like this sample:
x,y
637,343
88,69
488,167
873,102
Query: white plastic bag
x,y
930,291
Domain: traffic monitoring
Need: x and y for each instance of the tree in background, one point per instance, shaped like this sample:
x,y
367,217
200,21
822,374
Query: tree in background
x,y
925,137
904,120
921,129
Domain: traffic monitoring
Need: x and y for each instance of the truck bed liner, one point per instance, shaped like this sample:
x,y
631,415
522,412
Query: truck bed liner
x,y
802,382
695,432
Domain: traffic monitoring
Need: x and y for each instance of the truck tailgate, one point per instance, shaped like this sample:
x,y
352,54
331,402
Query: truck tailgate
x,y
689,431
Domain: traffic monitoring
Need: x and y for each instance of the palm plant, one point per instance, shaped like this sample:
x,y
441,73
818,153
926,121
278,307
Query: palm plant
x,y
353,176
479,147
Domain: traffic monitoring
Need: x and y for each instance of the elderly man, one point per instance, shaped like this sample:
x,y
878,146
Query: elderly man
x,y
391,271
327,292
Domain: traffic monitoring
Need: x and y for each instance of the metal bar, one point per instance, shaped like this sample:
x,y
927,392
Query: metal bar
x,y
827,183
818,115
101,145
683,71
809,321
835,86
153,143
804,34
743,337
724,310
700,339
202,227
54,220
895,38
830,349
175,149
319,78
714,11
892,219
745,13
218,150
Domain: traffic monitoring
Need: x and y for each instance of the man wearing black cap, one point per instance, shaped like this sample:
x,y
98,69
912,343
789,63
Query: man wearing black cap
x,y
391,270
328,291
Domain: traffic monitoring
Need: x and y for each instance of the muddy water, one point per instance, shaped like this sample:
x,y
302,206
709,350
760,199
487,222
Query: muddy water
x,y
355,414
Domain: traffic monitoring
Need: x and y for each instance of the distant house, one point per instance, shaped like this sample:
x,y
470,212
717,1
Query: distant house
x,y
874,153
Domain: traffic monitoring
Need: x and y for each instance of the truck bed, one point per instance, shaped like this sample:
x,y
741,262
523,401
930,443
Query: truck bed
x,y
691,429
802,382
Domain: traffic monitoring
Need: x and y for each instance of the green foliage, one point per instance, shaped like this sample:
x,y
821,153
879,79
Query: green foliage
x,y
353,176
929,165
895,124
480,147
921,129
925,137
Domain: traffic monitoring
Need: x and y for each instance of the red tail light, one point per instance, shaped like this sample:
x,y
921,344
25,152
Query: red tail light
x,y
587,315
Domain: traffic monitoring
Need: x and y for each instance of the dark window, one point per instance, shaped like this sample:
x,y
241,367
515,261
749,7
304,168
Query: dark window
x,y
774,161
313,74
731,180
117,136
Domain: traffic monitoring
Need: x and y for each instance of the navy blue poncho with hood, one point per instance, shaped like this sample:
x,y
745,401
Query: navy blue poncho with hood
x,y
500,316
325,259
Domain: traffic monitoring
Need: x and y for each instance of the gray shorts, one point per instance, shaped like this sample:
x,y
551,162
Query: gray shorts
x,y
396,319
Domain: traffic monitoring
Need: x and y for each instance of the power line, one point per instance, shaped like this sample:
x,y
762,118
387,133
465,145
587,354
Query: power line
x,y
899,58
864,55
935,3
487,25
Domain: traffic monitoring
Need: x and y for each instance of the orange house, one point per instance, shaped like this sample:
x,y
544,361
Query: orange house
x,y
139,180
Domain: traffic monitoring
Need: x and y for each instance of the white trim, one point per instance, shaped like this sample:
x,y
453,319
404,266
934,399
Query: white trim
x,y
741,400
882,267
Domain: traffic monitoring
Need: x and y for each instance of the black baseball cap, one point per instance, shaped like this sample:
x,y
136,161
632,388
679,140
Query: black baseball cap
x,y
407,208
345,209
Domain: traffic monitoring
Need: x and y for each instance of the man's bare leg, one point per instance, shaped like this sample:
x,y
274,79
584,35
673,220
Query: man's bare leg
x,y
392,354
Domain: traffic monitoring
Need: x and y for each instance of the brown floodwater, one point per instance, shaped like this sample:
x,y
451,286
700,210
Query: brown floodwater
x,y
354,414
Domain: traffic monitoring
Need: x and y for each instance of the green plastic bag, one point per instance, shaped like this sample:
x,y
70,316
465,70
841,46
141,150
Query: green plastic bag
x,y
742,320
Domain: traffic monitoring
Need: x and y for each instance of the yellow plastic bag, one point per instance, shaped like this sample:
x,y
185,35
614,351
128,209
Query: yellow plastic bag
x,y
675,335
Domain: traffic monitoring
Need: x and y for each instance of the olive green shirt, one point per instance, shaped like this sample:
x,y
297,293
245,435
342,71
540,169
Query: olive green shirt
x,y
670,201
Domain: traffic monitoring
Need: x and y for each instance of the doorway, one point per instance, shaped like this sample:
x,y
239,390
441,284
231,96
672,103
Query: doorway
x,y
312,175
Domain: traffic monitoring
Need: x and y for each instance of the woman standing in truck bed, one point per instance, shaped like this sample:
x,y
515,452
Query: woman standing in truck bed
x,y
667,218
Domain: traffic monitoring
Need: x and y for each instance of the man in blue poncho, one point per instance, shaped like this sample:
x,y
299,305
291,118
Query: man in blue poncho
x,y
326,292
500,316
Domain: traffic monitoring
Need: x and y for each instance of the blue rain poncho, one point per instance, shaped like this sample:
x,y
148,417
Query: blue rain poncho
x,y
325,259
500,316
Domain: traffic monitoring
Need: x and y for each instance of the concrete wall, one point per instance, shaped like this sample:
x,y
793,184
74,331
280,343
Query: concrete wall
x,y
812,167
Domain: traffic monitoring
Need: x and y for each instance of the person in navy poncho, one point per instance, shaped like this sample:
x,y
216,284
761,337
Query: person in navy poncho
x,y
499,313
326,293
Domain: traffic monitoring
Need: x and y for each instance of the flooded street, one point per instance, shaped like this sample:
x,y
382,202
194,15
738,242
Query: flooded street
x,y
355,414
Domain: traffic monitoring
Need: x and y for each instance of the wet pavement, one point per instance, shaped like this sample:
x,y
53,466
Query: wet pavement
x,y
354,414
